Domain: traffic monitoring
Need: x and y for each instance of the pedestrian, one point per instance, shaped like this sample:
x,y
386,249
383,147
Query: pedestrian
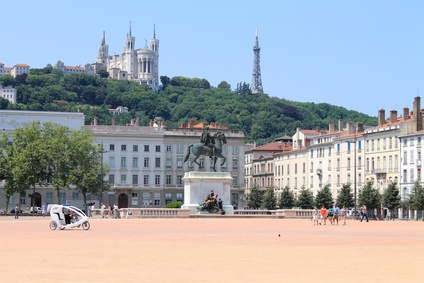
x,y
221,210
330,215
115,211
336,212
364,212
323,213
315,215
110,211
343,214
44,210
102,209
16,212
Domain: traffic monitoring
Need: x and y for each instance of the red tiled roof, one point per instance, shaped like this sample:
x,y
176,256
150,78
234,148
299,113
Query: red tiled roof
x,y
310,132
21,65
274,146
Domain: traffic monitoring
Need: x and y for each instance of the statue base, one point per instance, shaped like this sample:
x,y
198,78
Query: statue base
x,y
197,185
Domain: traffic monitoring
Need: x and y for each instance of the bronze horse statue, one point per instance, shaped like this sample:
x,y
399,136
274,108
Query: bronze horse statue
x,y
215,152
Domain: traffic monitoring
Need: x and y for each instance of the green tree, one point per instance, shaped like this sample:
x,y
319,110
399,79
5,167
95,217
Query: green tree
x,y
324,197
269,200
103,74
417,197
287,199
345,197
391,197
369,196
30,158
86,172
305,199
254,198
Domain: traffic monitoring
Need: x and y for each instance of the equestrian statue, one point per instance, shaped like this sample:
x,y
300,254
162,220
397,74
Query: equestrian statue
x,y
210,145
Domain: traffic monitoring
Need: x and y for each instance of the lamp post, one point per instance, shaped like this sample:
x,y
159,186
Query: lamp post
x,y
102,151
354,177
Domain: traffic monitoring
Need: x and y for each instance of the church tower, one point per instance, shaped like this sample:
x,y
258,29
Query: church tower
x,y
103,52
256,76
129,55
154,46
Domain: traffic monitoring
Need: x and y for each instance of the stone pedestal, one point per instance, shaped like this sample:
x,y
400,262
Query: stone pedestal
x,y
197,185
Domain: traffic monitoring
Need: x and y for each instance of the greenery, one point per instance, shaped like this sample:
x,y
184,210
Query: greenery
x,y
305,199
324,197
370,197
269,200
346,197
286,199
254,198
417,197
261,117
174,204
50,154
391,196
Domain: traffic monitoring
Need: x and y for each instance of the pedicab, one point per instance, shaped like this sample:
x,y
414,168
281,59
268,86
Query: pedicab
x,y
64,216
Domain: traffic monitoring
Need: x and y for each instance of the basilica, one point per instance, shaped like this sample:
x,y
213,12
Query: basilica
x,y
140,65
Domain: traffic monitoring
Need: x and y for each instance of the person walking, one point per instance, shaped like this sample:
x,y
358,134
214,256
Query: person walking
x,y
44,210
336,211
315,215
364,212
323,212
343,214
102,209
16,212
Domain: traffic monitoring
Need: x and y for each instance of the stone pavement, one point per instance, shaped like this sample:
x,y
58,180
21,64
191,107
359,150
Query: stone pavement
x,y
211,250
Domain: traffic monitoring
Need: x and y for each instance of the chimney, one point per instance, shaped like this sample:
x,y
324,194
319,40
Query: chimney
x,y
151,123
137,121
191,123
331,128
113,120
393,116
417,113
95,121
349,127
340,125
360,127
381,117
405,113
163,124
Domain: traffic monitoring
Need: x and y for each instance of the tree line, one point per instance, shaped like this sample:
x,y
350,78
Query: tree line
x,y
367,195
261,117
50,155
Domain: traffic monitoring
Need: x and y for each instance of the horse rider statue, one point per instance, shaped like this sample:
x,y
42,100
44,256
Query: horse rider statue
x,y
208,140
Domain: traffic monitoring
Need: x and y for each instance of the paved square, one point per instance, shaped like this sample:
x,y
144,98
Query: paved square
x,y
211,250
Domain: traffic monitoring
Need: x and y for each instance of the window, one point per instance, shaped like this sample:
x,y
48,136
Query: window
x,y
224,150
146,148
146,180
157,199
111,179
169,148
135,162
157,162
75,196
123,179
111,147
62,197
168,198
179,162
157,180
235,181
235,163
235,150
49,197
135,147
158,148
111,161
180,149
146,162
123,147
179,180
123,162
168,180
168,162
179,197
135,179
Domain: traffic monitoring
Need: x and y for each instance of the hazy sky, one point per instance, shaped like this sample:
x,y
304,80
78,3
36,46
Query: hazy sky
x,y
362,55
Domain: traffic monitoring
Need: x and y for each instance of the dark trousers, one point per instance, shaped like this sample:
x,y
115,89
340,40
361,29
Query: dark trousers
x,y
364,215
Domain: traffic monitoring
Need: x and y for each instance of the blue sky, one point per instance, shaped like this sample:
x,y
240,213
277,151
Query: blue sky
x,y
362,55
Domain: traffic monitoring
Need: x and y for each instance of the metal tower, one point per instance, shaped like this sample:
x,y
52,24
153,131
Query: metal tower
x,y
256,75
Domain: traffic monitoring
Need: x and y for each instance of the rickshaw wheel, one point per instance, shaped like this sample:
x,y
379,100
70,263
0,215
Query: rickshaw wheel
x,y
53,225
62,228
86,225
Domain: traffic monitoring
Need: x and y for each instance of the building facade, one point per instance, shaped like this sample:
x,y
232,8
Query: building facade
x,y
8,93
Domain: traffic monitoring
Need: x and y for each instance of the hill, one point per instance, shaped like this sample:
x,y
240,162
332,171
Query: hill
x,y
261,117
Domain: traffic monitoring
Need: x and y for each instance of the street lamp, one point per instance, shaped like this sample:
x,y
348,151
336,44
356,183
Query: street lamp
x,y
354,177
101,172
